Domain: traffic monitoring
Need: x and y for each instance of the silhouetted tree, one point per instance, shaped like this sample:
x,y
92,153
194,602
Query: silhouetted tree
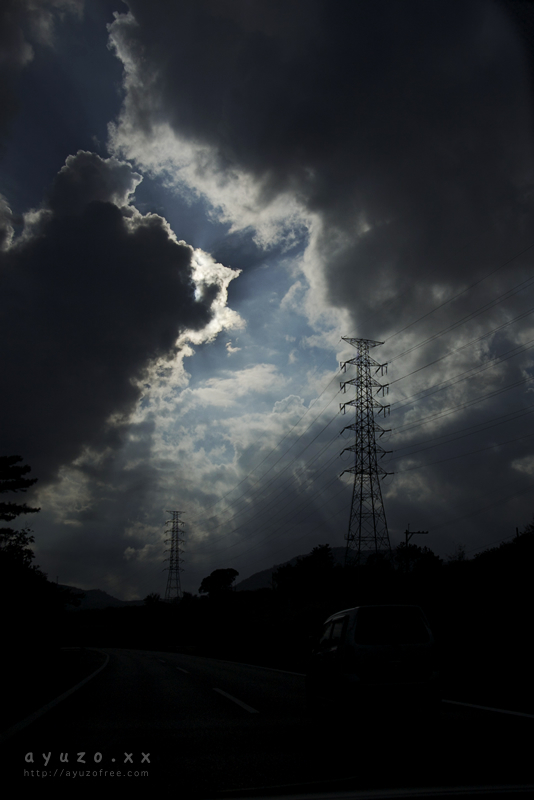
x,y
152,599
310,573
15,547
459,554
17,572
413,558
219,582
31,605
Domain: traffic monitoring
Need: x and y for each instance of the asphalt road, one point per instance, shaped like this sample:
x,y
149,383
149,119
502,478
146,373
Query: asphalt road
x,y
204,727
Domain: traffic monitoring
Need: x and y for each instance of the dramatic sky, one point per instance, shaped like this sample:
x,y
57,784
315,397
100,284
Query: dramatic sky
x,y
198,201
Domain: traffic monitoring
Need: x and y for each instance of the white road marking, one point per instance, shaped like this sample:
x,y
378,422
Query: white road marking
x,y
239,702
259,666
25,722
487,708
183,670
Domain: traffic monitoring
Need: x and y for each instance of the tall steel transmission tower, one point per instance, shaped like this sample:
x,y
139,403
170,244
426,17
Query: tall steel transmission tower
x,y
174,589
368,530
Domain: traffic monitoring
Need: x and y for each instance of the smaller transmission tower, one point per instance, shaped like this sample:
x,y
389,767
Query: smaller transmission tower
x,y
368,530
174,589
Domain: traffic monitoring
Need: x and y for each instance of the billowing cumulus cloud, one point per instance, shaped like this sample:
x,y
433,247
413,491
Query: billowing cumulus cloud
x,y
95,294
87,178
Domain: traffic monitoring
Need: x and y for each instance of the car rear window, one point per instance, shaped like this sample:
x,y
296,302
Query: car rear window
x,y
390,625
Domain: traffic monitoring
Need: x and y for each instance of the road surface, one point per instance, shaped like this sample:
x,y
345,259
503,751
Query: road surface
x,y
203,727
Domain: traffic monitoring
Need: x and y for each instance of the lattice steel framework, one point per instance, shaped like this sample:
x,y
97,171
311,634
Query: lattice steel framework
x,y
368,530
174,588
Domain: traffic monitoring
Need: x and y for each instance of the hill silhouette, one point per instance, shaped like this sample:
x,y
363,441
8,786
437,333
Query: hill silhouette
x,y
264,578
96,598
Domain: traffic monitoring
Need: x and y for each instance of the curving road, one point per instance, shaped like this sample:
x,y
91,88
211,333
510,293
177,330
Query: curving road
x,y
202,726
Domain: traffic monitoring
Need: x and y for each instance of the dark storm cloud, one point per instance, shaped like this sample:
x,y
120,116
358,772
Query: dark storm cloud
x,y
405,126
6,220
111,503
92,295
24,23
15,52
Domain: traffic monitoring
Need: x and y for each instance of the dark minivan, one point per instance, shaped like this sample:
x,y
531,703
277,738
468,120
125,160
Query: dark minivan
x,y
375,658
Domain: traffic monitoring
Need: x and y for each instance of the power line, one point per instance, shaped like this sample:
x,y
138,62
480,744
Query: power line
x,y
459,294
472,513
471,315
282,471
271,499
276,447
461,455
463,376
461,406
282,532
514,415
464,346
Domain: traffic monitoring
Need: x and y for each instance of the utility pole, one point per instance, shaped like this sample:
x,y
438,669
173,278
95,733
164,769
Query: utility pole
x,y
408,534
368,530
174,589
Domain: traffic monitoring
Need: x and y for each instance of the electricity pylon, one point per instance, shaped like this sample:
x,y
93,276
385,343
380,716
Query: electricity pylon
x,y
368,530
174,589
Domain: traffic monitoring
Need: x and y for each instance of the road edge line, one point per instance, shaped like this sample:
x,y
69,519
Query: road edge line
x,y
255,666
488,708
7,734
239,702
